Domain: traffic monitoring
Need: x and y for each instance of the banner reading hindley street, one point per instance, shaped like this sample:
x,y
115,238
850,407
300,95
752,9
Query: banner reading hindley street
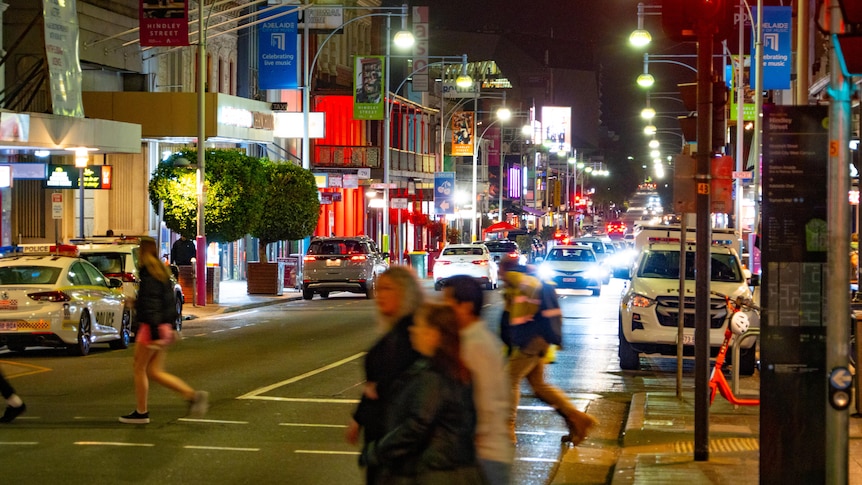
x,y
462,134
368,102
61,51
277,64
164,23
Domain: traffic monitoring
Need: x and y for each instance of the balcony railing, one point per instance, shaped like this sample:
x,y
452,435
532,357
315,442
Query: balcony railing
x,y
338,156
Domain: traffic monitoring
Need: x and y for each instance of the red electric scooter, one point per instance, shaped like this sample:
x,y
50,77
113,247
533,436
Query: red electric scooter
x,y
737,325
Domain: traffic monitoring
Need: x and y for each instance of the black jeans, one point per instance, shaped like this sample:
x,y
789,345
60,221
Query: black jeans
x,y
5,388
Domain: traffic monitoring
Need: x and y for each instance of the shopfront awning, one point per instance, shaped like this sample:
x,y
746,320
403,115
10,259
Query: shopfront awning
x,y
61,133
520,210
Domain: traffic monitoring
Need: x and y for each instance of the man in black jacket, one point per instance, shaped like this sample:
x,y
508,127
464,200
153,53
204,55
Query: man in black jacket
x,y
183,251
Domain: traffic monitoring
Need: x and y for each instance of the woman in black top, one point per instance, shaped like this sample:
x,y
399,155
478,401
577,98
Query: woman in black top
x,y
397,296
155,310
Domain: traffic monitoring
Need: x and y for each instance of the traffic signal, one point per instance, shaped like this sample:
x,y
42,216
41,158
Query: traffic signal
x,y
688,92
684,192
682,20
721,185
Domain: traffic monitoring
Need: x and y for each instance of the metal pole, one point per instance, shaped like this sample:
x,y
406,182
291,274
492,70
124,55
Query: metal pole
x,y
740,129
500,180
386,119
81,201
200,240
306,98
475,159
703,239
837,317
758,120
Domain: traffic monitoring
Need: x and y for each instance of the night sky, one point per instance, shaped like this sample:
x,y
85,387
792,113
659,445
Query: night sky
x,y
601,29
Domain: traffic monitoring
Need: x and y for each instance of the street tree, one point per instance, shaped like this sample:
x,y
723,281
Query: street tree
x,y
234,200
292,205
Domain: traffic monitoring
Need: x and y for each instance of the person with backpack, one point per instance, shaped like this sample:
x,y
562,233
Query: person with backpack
x,y
526,332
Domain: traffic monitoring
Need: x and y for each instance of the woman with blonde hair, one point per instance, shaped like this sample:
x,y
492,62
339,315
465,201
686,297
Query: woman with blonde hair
x,y
397,296
156,313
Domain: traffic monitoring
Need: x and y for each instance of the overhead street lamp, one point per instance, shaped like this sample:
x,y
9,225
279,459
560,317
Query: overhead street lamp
x,y
503,114
646,80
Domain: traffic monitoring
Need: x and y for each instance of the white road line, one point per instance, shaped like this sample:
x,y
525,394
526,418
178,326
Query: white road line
x,y
312,425
112,443
262,390
538,460
233,315
530,433
326,452
536,408
218,448
18,443
302,399
215,421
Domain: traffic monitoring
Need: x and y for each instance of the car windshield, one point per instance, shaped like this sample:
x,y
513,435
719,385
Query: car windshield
x,y
108,263
29,275
337,247
665,265
598,247
501,247
580,254
463,252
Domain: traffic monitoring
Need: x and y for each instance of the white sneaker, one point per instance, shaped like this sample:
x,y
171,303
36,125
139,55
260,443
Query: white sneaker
x,y
199,405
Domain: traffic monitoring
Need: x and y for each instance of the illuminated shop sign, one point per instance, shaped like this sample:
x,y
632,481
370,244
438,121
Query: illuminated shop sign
x,y
66,177
228,115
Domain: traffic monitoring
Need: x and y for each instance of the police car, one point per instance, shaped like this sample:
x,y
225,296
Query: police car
x,y
57,300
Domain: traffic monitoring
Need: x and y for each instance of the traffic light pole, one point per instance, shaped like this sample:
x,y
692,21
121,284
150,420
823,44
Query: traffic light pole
x,y
703,239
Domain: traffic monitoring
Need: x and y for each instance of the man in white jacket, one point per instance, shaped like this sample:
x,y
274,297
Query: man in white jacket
x,y
482,353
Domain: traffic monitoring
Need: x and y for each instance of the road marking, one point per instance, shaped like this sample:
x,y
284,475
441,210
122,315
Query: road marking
x,y
218,448
531,433
257,392
17,443
536,408
35,369
112,443
216,421
312,425
326,452
302,399
232,315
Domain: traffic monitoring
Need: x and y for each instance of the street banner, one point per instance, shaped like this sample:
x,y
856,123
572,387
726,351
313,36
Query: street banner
x,y
164,23
748,107
421,82
277,66
61,50
777,44
444,193
368,99
557,124
462,133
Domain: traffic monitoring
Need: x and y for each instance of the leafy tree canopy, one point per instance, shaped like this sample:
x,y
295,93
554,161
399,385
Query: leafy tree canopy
x,y
292,207
234,199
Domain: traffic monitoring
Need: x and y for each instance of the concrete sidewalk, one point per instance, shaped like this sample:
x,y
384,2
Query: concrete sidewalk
x,y
658,439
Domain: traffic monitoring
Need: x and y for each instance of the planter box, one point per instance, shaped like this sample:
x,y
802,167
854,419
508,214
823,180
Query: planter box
x,y
265,278
187,281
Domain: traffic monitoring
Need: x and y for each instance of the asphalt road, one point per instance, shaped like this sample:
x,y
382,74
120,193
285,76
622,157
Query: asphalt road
x,y
283,380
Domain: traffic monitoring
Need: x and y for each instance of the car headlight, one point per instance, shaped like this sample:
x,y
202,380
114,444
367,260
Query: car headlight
x,y
545,272
596,272
640,301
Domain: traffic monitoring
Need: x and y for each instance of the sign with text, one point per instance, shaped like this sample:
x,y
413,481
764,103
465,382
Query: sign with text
x,y
777,45
420,49
444,193
794,242
61,51
368,102
277,64
463,123
164,23
328,17
557,125
67,177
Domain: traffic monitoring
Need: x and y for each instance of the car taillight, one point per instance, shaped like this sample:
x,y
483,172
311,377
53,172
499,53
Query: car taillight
x,y
124,277
513,255
358,257
481,262
55,296
309,259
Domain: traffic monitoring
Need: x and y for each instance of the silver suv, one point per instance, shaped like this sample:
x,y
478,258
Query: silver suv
x,y
342,264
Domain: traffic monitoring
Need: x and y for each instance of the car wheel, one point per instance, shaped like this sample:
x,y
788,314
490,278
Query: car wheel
x,y
629,357
324,294
438,286
125,333
489,286
307,294
597,291
747,361
371,288
82,347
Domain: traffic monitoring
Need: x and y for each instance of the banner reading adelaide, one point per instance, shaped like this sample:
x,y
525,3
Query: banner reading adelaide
x,y
164,22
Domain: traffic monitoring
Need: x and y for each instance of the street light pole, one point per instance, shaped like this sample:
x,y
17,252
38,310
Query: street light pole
x,y
386,141
200,240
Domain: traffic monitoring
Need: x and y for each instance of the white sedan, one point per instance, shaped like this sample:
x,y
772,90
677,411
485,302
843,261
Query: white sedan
x,y
573,266
465,259
60,301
